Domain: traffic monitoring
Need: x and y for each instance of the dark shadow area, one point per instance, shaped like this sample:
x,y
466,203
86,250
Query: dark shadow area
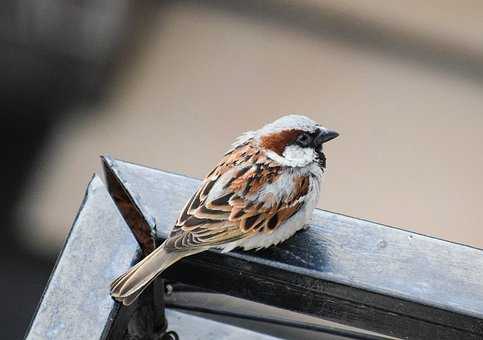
x,y
44,76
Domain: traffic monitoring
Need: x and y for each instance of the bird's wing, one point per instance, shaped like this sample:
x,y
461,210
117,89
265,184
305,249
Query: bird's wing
x,y
228,207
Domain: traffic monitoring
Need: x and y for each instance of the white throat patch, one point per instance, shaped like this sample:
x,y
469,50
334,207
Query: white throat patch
x,y
294,156
299,156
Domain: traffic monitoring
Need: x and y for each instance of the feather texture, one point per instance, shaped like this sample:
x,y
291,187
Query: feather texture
x,y
228,206
263,190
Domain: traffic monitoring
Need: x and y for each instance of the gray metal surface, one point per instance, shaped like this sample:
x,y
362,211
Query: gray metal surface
x,y
263,318
76,303
191,327
342,249
354,272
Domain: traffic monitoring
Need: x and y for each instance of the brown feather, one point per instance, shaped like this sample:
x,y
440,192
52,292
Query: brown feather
x,y
279,140
233,215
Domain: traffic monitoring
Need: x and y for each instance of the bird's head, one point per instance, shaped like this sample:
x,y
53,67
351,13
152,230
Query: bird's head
x,y
294,140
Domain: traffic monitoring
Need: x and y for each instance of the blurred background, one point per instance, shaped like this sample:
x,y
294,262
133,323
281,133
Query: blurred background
x,y
170,84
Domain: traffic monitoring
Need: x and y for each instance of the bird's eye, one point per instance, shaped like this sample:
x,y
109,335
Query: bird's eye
x,y
304,140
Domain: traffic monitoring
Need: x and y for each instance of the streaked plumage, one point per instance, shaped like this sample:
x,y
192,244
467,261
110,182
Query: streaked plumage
x,y
263,191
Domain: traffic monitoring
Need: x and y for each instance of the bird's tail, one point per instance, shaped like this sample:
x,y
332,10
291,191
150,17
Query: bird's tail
x,y
127,287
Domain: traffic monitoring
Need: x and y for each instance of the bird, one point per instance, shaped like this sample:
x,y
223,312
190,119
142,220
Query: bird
x,y
263,190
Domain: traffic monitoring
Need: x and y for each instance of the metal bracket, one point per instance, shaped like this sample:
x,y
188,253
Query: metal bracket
x,y
148,320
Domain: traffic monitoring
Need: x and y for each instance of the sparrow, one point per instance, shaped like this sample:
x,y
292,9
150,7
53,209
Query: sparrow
x,y
263,191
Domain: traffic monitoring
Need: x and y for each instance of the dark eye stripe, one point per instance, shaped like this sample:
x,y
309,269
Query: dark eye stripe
x,y
304,140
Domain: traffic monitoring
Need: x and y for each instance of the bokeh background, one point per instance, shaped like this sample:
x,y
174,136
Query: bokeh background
x,y
170,84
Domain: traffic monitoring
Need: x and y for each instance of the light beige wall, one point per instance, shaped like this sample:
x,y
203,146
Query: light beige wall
x,y
409,155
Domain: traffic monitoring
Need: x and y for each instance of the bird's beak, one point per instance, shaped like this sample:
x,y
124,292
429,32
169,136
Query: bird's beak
x,y
325,136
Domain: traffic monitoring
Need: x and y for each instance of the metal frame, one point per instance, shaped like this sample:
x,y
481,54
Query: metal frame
x,y
345,270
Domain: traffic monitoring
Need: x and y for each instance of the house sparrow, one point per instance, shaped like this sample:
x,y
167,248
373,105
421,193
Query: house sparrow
x,y
262,192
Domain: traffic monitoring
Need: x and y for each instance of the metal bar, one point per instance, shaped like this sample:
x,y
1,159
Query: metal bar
x,y
191,327
141,229
262,317
76,303
342,269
